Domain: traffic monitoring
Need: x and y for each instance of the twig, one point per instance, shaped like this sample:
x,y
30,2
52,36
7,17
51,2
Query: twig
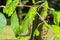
x,y
38,2
20,6
24,6
2,6
43,20
17,6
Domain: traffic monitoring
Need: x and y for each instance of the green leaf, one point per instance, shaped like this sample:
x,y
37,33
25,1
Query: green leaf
x,y
33,1
56,29
15,23
56,15
22,38
52,11
36,32
45,26
57,37
57,32
8,2
28,19
7,34
44,10
3,22
57,18
10,7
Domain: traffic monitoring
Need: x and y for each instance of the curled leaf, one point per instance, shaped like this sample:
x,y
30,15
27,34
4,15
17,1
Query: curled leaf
x,y
44,10
28,19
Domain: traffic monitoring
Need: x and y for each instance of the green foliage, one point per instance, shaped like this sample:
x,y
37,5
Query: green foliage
x,y
36,32
57,18
33,1
56,15
44,10
8,2
15,23
57,37
52,11
45,26
17,29
57,32
3,22
10,7
28,19
22,38
56,29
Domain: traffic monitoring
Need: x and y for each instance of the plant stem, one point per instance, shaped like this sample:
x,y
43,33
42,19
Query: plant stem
x,y
43,20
